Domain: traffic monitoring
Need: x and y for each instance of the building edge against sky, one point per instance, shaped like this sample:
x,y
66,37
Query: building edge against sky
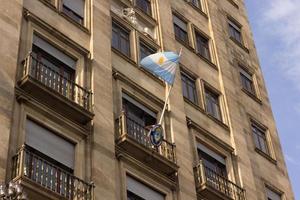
x,y
76,105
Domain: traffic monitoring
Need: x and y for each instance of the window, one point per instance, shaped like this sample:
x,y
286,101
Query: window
x,y
145,50
260,138
247,81
272,195
120,39
196,3
189,88
212,161
235,31
202,45
74,9
212,104
144,5
139,191
180,29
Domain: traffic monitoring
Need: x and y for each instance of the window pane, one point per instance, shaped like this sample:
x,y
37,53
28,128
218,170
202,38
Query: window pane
x,y
273,195
189,88
260,138
196,3
120,39
202,46
74,9
144,5
212,104
145,50
235,31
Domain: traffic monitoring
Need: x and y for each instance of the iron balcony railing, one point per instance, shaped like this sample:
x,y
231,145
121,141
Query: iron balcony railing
x,y
205,176
56,82
139,133
46,174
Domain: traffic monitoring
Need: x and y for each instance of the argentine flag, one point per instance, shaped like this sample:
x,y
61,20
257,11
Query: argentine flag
x,y
162,64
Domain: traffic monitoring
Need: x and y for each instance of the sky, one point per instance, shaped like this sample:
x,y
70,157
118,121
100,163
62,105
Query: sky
x,y
276,28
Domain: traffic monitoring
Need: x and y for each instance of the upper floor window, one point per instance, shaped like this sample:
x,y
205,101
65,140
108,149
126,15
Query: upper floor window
x,y
196,3
74,9
213,104
202,45
180,29
120,39
189,88
139,191
247,81
145,50
260,138
212,161
144,5
235,31
272,195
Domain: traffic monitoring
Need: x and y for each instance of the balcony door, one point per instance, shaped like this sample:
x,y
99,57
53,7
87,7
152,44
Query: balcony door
x,y
52,67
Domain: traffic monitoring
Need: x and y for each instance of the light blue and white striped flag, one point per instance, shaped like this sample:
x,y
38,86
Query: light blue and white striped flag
x,y
162,64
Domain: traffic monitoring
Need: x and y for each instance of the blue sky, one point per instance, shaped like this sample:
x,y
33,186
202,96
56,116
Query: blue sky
x,y
276,28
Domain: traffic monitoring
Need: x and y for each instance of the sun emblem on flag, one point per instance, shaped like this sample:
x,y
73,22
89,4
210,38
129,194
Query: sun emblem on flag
x,y
161,60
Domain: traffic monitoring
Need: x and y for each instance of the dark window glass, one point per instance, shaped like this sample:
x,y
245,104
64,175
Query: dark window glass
x,y
247,81
132,196
211,163
145,50
202,44
235,32
212,104
144,5
196,3
260,138
189,88
74,9
180,29
120,39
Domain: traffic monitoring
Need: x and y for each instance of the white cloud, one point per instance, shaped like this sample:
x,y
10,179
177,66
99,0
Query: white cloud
x,y
281,21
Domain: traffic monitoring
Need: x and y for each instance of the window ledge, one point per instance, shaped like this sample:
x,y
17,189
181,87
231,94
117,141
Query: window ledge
x,y
192,104
207,61
199,10
80,26
267,156
240,44
253,96
130,60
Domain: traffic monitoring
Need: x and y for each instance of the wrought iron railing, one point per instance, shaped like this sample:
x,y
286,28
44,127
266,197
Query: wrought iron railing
x,y
129,127
56,82
50,176
208,177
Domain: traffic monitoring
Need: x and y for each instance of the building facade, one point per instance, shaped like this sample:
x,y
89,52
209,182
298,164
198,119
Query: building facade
x,y
76,106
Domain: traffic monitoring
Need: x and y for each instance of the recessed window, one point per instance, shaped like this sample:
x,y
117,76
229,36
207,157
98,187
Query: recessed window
x,y
202,45
272,195
189,88
144,5
247,81
235,31
139,191
180,29
213,104
260,138
120,39
196,3
74,9
145,50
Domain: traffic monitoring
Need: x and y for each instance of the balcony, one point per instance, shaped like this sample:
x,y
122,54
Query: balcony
x,y
52,89
44,180
211,185
133,139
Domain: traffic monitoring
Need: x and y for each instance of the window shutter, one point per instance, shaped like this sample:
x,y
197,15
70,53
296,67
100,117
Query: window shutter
x,y
76,5
142,190
49,144
211,153
39,42
179,23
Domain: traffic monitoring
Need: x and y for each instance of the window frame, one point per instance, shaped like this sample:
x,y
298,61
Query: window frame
x,y
274,190
257,138
194,88
218,94
126,30
237,28
246,75
150,12
198,49
143,42
176,27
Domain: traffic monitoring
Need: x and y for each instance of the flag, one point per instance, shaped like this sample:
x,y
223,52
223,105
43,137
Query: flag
x,y
162,64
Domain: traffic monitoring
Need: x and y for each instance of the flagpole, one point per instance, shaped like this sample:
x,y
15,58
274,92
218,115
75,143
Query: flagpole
x,y
165,106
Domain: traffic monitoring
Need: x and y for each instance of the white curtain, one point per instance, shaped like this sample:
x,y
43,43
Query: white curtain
x,y
49,144
142,190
